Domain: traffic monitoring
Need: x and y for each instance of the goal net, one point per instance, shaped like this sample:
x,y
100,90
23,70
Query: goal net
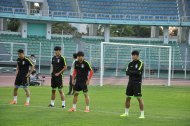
x,y
116,56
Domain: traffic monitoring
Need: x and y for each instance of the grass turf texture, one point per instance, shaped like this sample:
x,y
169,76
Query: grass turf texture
x,y
164,106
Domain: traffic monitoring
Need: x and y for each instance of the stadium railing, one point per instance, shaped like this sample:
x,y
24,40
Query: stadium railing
x,y
185,19
101,16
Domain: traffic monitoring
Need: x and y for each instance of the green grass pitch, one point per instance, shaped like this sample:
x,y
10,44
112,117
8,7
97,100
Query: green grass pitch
x,y
164,106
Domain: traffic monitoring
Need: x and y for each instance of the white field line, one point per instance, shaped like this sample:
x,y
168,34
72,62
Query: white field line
x,y
100,111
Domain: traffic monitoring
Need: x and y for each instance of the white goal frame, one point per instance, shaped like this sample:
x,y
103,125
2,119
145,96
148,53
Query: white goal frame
x,y
131,45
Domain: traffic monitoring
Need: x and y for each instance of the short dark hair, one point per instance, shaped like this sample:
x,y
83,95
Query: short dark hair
x,y
74,55
57,48
135,52
80,53
32,55
20,51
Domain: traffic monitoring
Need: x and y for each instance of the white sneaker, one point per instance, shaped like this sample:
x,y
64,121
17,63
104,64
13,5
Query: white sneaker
x,y
141,117
124,115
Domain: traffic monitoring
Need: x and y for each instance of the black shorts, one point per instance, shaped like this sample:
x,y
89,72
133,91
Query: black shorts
x,y
57,82
134,89
81,86
21,81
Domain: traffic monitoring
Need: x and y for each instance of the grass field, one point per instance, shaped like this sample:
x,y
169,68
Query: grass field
x,y
164,106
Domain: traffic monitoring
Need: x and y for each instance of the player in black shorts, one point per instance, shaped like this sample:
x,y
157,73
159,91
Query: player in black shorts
x,y
22,76
134,71
81,78
59,65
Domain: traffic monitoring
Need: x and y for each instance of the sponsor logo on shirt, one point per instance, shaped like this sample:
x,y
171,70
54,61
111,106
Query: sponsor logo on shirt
x,y
23,62
136,66
82,65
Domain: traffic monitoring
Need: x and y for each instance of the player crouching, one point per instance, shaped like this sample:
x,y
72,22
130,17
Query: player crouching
x,y
22,76
82,73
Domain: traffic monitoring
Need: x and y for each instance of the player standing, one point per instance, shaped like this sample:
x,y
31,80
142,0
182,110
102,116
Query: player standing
x,y
134,71
59,65
82,73
71,88
22,76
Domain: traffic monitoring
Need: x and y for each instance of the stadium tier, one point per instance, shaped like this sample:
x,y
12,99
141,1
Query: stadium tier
x,y
141,10
188,7
140,7
11,3
60,5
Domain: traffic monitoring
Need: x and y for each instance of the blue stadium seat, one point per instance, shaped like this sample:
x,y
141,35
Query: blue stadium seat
x,y
139,7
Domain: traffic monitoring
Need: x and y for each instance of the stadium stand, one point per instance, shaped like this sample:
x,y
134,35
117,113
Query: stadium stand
x,y
140,7
159,10
11,3
188,7
60,5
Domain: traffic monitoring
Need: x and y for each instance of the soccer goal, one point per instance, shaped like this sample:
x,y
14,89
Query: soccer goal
x,y
115,57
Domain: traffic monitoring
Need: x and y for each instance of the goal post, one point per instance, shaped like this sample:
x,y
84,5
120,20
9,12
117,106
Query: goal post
x,y
165,50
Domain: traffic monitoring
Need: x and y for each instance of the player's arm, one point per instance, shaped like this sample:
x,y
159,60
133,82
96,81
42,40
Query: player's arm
x,y
60,72
139,70
128,70
51,69
17,69
91,72
64,64
73,76
31,65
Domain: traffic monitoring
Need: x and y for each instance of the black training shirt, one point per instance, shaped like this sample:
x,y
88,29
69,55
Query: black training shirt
x,y
135,71
82,69
23,65
58,62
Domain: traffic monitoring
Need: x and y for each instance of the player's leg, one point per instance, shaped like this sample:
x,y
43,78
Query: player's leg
x,y
18,82
15,93
141,106
60,88
27,91
127,104
87,99
62,97
129,94
25,83
70,86
53,92
75,99
138,95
